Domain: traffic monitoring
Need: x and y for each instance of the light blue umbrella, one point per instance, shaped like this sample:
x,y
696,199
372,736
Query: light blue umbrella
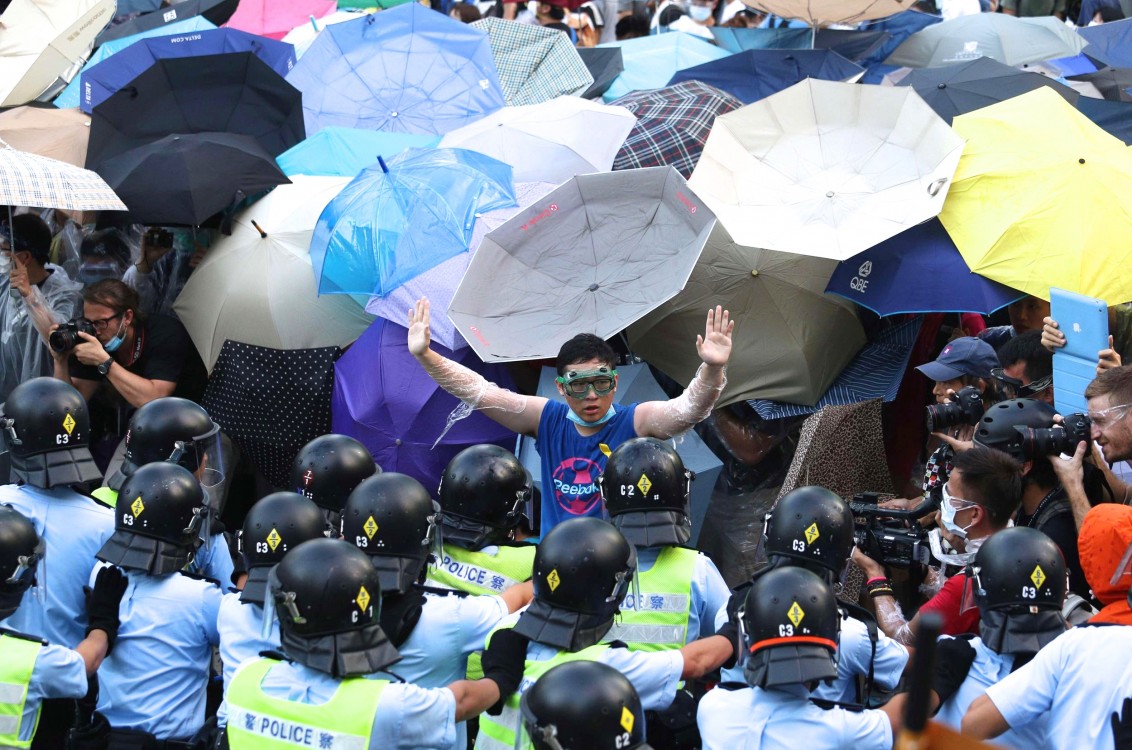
x,y
70,96
398,219
344,152
651,61
405,70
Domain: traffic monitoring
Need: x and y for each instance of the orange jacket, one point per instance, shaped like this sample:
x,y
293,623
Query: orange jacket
x,y
1105,535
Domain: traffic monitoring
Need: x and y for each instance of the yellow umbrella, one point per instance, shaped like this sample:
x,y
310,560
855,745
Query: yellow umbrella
x,y
1040,198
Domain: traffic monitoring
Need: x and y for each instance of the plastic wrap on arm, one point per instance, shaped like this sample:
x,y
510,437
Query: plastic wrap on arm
x,y
694,405
474,390
891,620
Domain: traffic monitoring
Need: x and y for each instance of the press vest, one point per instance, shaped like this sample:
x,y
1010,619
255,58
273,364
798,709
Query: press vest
x,y
17,661
257,721
106,495
658,621
481,573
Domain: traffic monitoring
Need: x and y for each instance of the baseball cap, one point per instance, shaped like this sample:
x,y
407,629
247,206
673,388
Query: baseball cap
x,y
963,356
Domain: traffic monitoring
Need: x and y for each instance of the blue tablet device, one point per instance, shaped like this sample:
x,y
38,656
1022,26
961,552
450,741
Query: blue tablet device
x,y
1084,321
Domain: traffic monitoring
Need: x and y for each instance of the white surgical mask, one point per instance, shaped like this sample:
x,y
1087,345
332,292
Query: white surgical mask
x,y
700,13
958,559
947,511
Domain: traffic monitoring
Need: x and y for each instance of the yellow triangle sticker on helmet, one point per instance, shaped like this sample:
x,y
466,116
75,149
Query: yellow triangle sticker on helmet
x,y
627,719
812,533
69,424
643,484
137,507
370,527
363,599
273,539
553,580
795,614
1038,576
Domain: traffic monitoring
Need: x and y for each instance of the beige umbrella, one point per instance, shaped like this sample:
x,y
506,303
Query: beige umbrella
x,y
824,12
60,134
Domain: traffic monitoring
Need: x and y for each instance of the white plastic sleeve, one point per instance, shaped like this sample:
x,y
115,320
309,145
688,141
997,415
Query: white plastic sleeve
x,y
694,405
474,390
891,620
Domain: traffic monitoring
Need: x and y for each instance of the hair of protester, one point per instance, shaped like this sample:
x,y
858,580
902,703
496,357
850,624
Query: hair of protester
x,y
1027,347
556,12
1110,13
632,26
31,234
466,12
1115,383
582,348
106,243
114,294
993,479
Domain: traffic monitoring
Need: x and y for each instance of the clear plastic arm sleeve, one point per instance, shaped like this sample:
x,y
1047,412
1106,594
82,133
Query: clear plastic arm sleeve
x,y
694,405
891,620
473,389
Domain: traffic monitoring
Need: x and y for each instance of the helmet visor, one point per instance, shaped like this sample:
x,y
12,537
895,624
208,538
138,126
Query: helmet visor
x,y
972,590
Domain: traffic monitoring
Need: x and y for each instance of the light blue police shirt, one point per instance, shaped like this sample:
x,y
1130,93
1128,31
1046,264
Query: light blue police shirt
x,y
240,625
58,673
214,561
74,528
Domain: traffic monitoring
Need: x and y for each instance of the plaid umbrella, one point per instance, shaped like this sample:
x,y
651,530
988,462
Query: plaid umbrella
x,y
271,402
535,64
31,180
672,125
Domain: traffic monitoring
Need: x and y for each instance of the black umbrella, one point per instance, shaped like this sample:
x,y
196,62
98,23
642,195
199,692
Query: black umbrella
x,y
229,93
216,11
604,64
1113,83
271,402
1115,118
956,89
184,179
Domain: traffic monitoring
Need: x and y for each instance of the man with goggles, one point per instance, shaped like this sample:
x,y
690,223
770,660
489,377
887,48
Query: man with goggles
x,y
1027,368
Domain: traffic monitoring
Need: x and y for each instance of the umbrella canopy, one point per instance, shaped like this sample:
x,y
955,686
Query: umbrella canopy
x,y
841,448
852,45
185,179
1115,118
271,402
275,18
57,133
790,340
31,180
408,70
918,270
635,383
395,220
257,286
384,399
1108,43
304,34
439,282
899,27
604,64
1113,83
102,80
827,169
41,42
535,63
825,12
756,74
593,256
673,124
215,12
1034,205
1008,39
347,151
551,141
954,89
651,61
230,93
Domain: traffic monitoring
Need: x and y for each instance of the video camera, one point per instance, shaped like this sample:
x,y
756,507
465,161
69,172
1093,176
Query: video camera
x,y
891,536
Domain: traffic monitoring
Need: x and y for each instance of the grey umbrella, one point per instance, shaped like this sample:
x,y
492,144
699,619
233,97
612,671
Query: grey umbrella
x,y
1008,39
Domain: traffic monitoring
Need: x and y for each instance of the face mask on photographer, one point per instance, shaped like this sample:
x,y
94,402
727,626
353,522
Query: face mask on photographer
x,y
699,13
112,345
949,508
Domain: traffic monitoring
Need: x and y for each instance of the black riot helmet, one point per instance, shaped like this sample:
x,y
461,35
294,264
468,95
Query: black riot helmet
x,y
169,429
158,519
328,468
47,428
813,527
391,518
276,524
484,494
582,571
790,624
583,705
646,487
327,596
1018,581
21,549
1002,426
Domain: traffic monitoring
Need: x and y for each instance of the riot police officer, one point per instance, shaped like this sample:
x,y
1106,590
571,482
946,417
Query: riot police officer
x,y
327,469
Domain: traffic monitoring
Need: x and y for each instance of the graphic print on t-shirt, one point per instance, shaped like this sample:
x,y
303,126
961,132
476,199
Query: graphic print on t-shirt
x,y
575,485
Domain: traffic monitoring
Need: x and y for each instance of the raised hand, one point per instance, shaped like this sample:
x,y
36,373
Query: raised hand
x,y
714,346
419,335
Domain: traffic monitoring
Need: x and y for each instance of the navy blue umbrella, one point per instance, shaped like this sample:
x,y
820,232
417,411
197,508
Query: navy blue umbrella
x,y
852,45
756,74
1109,43
1115,84
1115,118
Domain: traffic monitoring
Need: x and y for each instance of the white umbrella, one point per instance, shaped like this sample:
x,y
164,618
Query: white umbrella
x,y
28,179
257,286
823,12
303,36
44,42
827,169
551,141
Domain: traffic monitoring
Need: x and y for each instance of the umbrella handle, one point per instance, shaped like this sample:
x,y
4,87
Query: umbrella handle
x,y
314,25
262,233
936,186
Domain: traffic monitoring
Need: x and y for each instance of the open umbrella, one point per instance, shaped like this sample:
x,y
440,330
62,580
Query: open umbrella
x,y
604,64
827,169
31,180
215,12
57,133
635,384
1032,206
673,124
1108,43
41,42
101,80
852,45
275,18
256,285
593,256
651,61
384,399
1115,118
756,74
1113,83
1008,39
535,63
408,69
790,340
397,219
824,12
347,151
551,141
303,35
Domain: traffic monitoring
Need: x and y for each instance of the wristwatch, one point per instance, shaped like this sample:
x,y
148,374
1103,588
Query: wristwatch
x,y
104,368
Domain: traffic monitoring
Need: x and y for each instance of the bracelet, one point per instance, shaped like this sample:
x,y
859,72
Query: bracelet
x,y
881,591
871,581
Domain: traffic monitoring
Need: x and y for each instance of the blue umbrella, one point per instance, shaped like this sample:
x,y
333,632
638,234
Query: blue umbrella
x,y
100,81
1115,118
755,74
69,97
406,70
1109,43
344,152
651,61
397,220
900,27
918,270
852,45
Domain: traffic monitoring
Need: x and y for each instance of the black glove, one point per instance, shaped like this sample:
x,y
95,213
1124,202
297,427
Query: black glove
x,y
1122,726
102,603
503,662
730,631
953,660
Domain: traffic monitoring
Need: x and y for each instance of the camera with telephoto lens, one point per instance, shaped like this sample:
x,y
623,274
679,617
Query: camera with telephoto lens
x,y
890,536
965,407
1060,438
159,238
66,337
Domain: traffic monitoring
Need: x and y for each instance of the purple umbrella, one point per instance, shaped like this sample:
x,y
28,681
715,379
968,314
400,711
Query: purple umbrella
x,y
383,398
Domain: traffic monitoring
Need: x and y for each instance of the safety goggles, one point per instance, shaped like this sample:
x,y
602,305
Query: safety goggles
x,y
957,503
577,383
1015,388
1106,418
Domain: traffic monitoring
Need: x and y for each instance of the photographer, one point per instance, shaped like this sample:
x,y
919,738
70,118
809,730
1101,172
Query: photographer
x,y
1110,402
1027,368
964,363
981,494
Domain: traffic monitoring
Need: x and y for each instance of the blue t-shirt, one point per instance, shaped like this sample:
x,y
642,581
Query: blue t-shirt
x,y
572,463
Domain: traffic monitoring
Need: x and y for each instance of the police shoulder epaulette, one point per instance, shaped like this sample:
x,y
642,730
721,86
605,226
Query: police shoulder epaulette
x,y
391,673
825,705
617,644
1100,625
274,655
23,636
199,577
438,591
732,686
